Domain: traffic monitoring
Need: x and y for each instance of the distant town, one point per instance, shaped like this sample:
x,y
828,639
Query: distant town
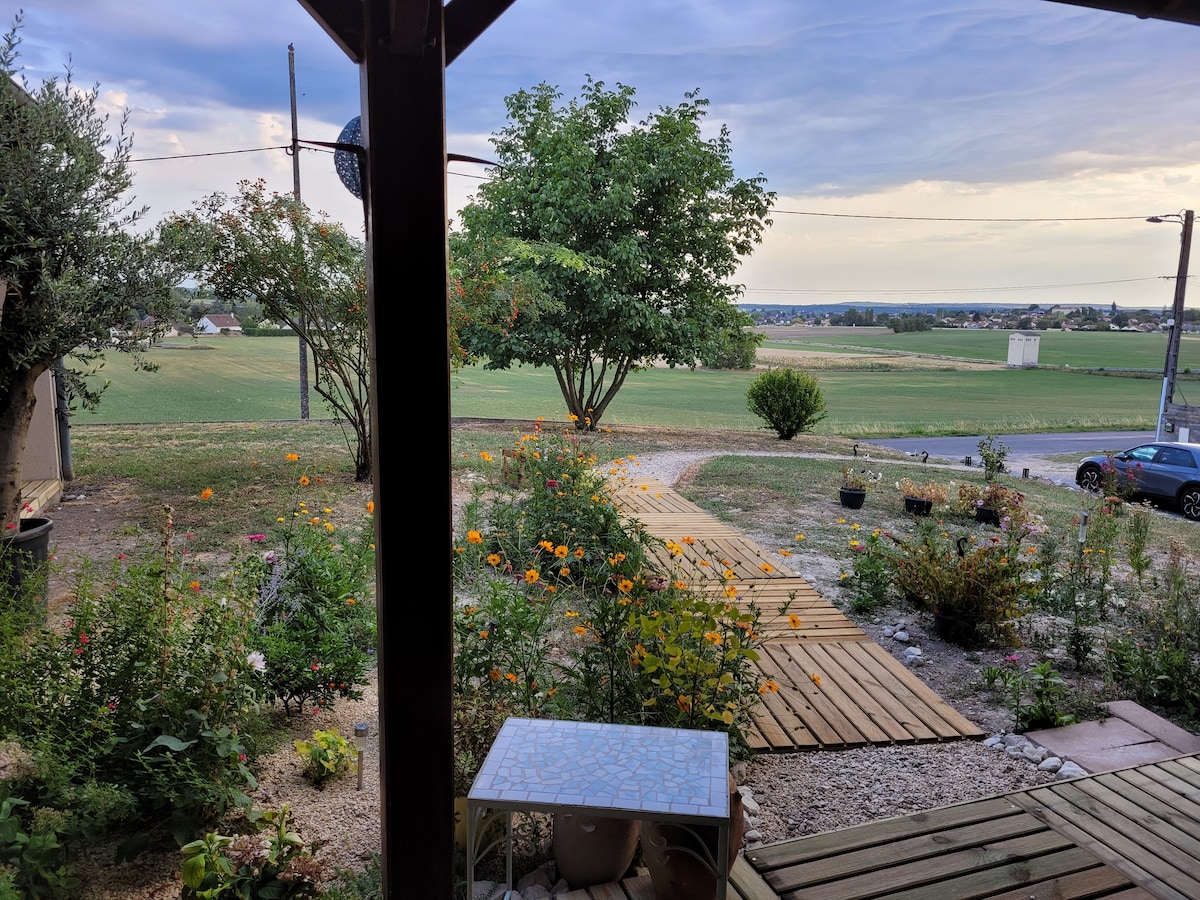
x,y
916,317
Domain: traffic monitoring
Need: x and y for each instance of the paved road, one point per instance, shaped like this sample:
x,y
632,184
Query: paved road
x,y
1025,450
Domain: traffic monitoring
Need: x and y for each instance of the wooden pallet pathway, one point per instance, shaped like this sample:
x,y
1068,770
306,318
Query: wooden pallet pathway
x,y
1131,833
837,687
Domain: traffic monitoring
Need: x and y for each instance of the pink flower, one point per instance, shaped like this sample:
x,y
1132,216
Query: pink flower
x,y
1013,657
256,537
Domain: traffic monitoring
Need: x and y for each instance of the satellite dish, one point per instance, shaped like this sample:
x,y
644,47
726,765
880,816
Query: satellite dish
x,y
346,161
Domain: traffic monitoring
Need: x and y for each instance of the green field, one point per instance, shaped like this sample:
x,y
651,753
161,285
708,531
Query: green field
x,y
1077,349
249,379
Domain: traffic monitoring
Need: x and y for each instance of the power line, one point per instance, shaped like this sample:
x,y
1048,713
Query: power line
x,y
212,153
798,212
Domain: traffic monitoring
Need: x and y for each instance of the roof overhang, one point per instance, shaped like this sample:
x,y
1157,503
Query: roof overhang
x,y
1185,11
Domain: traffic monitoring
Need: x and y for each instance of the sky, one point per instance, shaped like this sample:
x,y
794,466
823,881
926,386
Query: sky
x,y
893,132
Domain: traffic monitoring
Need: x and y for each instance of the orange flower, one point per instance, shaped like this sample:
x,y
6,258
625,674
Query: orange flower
x,y
485,456
689,540
304,482
684,703
195,586
561,551
816,679
579,553
292,457
494,674
767,567
680,585
370,507
713,637
511,676
794,620
206,493
531,576
474,537
768,687
624,585
493,559
564,571
579,629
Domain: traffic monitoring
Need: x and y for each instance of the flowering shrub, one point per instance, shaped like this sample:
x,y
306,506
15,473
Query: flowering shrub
x,y
316,626
981,582
859,479
868,580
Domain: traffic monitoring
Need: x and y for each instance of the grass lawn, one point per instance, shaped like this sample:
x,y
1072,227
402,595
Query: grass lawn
x,y
246,379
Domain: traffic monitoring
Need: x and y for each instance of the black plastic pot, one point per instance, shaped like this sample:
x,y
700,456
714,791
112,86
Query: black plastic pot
x,y
917,506
23,557
985,515
852,499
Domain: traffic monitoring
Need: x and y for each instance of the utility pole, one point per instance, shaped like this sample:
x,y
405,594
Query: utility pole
x,y
296,195
1176,328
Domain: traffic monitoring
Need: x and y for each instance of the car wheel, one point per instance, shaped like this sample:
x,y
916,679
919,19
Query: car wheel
x,y
1090,478
1189,502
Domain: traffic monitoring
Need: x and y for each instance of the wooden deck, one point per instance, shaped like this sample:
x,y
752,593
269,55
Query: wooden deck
x,y
1132,833
837,687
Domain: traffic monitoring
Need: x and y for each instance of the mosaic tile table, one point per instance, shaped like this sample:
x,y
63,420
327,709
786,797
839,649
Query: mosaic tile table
x,y
621,771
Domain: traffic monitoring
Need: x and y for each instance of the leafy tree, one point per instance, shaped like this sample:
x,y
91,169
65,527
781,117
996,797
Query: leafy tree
x,y
788,400
71,270
305,271
736,348
653,207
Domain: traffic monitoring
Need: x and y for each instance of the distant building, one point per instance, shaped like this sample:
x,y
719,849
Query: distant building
x,y
218,324
1023,349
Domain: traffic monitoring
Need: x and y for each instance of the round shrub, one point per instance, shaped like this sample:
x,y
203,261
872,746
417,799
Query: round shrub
x,y
789,400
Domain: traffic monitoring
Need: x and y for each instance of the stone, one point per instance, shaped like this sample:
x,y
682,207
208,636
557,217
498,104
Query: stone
x,y
1071,770
1050,764
996,740
901,636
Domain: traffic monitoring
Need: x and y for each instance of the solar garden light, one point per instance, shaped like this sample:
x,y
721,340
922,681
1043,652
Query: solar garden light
x,y
361,730
1083,520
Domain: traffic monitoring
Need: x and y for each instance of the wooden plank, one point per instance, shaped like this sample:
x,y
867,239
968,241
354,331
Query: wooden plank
x,y
875,699
1119,844
1161,818
1185,769
1167,793
639,887
749,885
912,850
813,704
880,832
943,719
926,872
799,722
610,891
839,684
1069,872
1100,881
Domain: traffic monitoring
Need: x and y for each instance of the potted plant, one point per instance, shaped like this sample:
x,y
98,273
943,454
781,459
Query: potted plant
x,y
993,504
919,498
855,484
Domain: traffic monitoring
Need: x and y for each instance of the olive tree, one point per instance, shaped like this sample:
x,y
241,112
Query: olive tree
x,y
72,270
305,270
655,209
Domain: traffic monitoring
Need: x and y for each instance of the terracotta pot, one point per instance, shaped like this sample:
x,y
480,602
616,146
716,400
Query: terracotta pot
x,y
590,850
675,873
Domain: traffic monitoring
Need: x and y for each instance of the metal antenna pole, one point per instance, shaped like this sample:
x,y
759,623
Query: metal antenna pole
x,y
296,195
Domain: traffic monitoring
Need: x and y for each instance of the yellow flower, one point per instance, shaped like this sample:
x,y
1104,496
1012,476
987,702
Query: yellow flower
x,y
855,527
561,551
730,591
767,567
799,537
673,548
485,456
624,585
730,574
279,518
304,482
816,679
684,703
841,521
546,545
784,552
571,614
292,457
571,417
493,559
531,576
329,526
680,585
474,537
713,637
206,493
794,620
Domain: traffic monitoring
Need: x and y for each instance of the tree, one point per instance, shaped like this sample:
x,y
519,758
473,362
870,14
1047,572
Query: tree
x,y
71,270
788,400
305,271
655,210
736,347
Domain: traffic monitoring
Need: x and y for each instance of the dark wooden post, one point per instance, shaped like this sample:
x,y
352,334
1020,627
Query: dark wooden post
x,y
404,133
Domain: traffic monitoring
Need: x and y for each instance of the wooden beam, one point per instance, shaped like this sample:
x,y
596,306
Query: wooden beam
x,y
468,19
342,21
402,82
1185,11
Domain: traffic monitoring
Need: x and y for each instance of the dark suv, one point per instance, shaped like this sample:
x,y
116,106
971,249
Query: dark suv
x,y
1162,471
